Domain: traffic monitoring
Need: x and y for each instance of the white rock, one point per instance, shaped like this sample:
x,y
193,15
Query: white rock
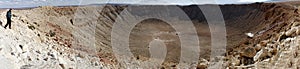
x,y
296,24
258,47
62,60
250,35
6,63
235,61
291,31
298,31
262,53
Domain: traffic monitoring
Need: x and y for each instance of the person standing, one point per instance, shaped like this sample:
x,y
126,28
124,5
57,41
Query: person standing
x,y
8,17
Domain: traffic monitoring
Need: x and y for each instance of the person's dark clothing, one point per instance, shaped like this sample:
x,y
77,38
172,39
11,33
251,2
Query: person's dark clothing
x,y
8,17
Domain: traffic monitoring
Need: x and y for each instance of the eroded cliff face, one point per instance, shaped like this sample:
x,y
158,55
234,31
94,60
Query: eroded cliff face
x,y
86,32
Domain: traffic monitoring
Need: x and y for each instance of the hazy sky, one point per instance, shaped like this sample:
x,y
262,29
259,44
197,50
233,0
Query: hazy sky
x,y
32,3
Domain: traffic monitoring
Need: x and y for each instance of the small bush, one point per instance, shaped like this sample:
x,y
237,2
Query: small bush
x,y
51,33
36,23
31,27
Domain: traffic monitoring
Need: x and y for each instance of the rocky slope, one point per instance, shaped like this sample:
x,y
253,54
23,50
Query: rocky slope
x,y
80,37
37,40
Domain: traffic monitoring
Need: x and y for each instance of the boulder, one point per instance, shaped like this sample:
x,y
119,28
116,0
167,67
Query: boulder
x,y
248,52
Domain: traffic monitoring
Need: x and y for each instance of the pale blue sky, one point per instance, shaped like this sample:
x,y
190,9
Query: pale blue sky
x,y
33,3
